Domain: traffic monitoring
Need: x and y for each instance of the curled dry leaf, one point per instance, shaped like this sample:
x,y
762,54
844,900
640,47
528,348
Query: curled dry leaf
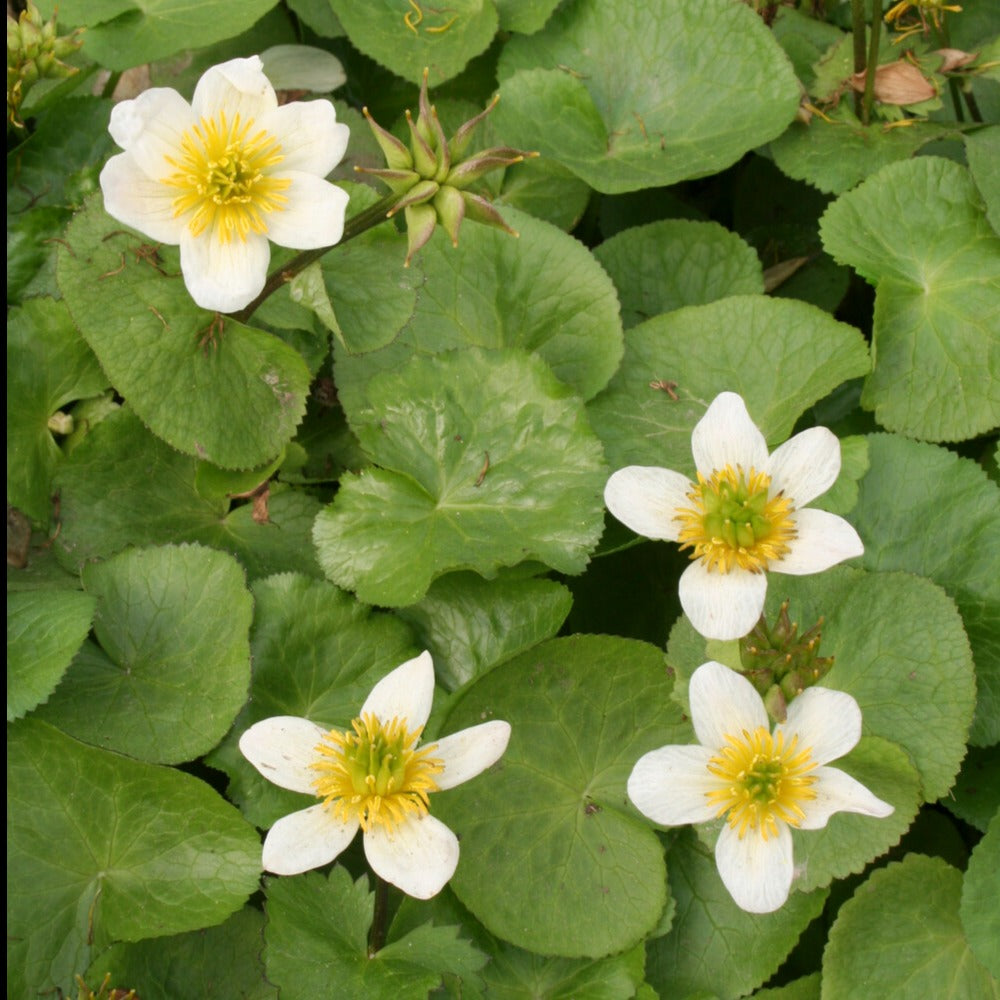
x,y
898,82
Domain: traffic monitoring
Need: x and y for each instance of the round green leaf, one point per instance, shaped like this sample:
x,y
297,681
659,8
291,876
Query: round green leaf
x,y
316,653
554,812
902,929
677,262
232,396
982,149
101,847
486,461
945,525
937,303
714,946
48,366
123,486
975,796
779,354
632,96
980,892
45,628
173,665
213,961
407,38
471,624
542,293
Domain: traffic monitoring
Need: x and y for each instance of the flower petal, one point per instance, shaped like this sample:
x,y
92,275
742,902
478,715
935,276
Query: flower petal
x,y
826,721
669,785
135,200
722,605
151,128
839,792
311,138
418,856
405,693
469,752
238,87
723,704
282,748
312,217
306,839
646,499
757,872
824,539
726,435
805,466
224,277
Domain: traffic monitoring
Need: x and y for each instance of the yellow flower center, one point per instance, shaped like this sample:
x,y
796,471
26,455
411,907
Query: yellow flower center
x,y
222,174
734,521
374,774
762,782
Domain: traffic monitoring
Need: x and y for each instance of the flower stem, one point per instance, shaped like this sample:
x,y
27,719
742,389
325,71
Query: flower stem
x,y
858,30
873,41
376,936
364,220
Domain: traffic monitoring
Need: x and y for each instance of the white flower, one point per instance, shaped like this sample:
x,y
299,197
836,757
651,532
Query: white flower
x,y
746,514
223,175
763,783
372,777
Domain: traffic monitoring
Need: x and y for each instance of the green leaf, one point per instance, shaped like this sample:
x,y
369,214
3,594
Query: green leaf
x,y
316,653
48,366
471,624
982,149
975,796
525,16
806,988
173,665
554,812
316,935
632,96
45,628
542,293
127,298
836,155
937,301
855,461
902,928
546,190
142,851
779,354
407,38
899,650
945,525
486,461
676,262
124,33
714,946
980,891
222,961
123,486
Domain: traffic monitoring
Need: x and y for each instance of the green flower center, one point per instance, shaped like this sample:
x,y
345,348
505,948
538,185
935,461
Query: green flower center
x,y
733,521
761,782
374,773
222,174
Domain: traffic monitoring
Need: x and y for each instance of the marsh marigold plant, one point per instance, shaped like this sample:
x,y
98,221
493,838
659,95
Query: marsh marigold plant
x,y
374,776
225,174
745,515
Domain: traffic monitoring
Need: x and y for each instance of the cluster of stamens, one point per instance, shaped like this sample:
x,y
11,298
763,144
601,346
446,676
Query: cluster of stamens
x,y
374,773
734,521
763,782
223,175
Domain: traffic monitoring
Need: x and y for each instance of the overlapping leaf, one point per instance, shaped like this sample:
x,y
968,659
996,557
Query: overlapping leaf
x,y
937,305
486,460
634,95
980,891
592,705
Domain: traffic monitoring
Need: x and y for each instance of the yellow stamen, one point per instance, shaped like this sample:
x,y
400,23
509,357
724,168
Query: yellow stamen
x,y
374,774
762,782
734,522
223,174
